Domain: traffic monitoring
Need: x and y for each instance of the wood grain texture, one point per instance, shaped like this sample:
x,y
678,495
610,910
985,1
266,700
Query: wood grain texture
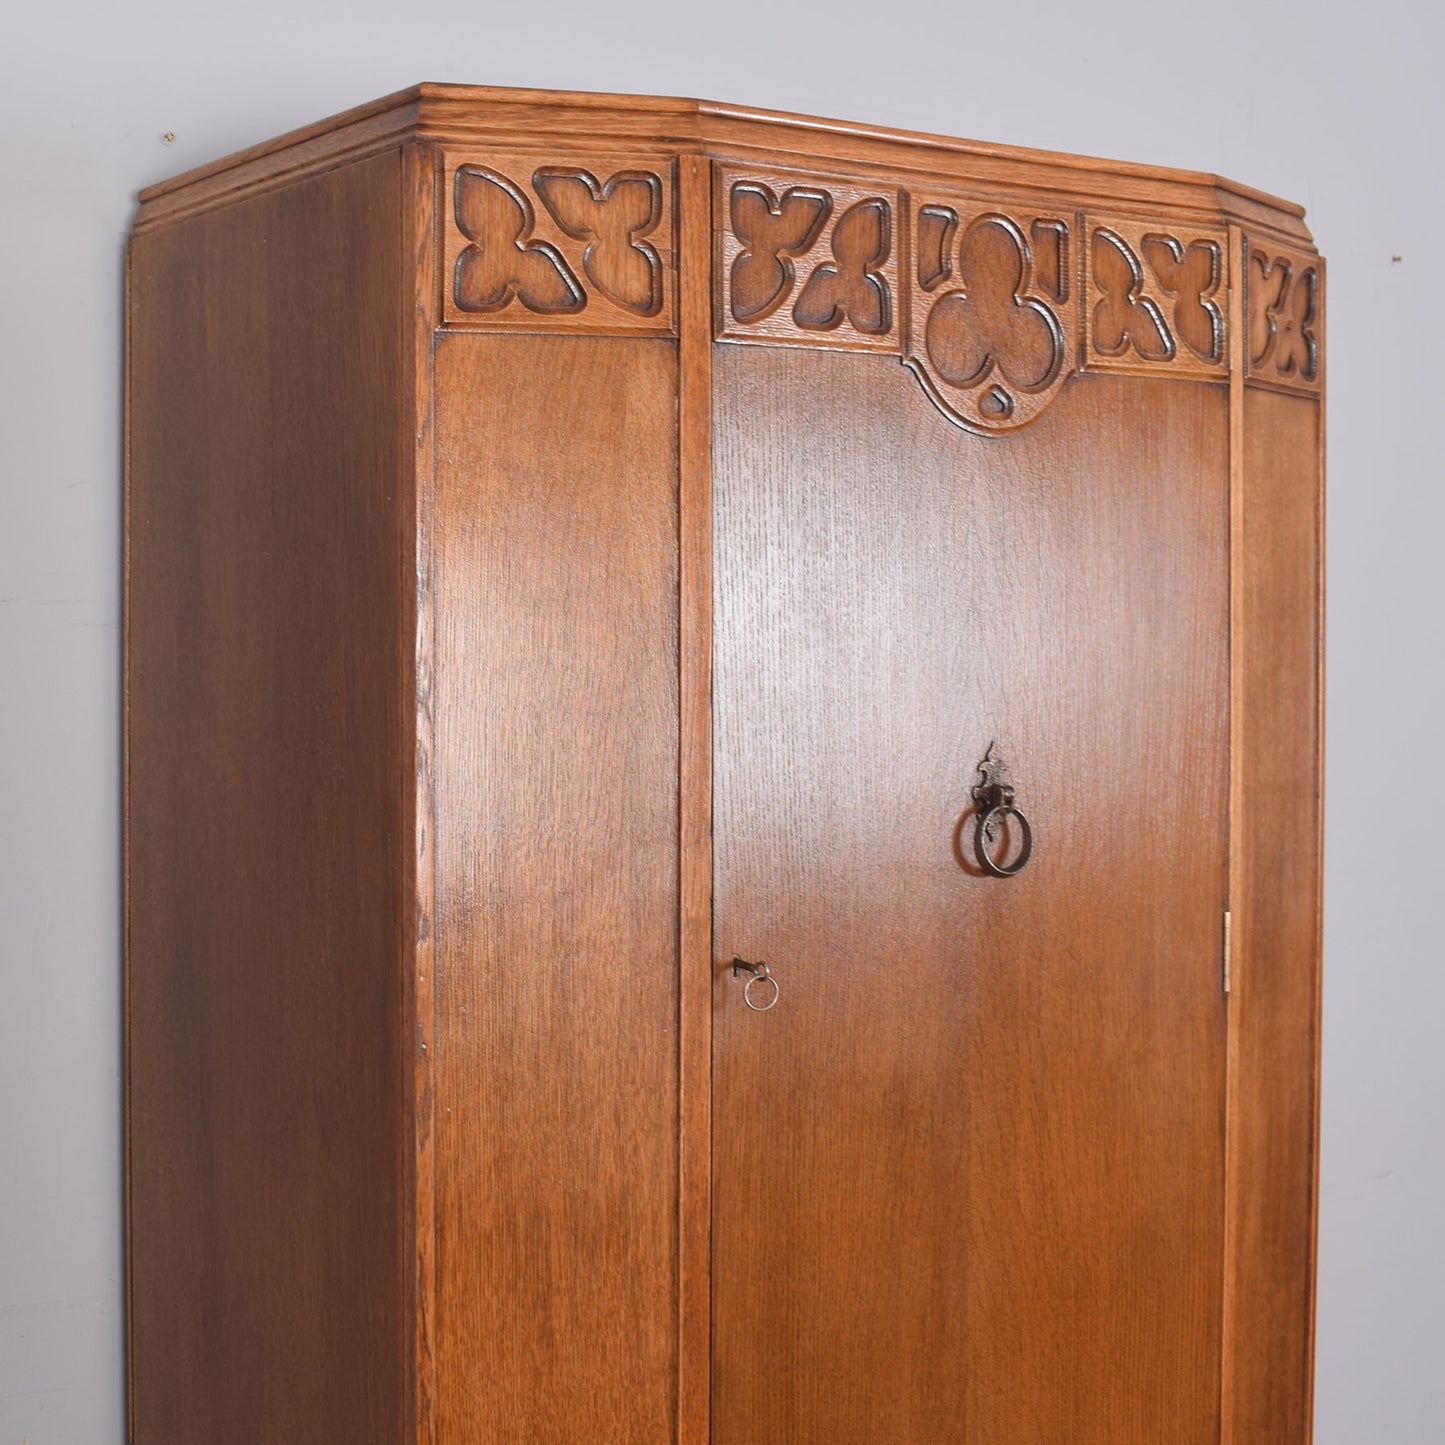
x,y
989,300
695,587
1275,1005
544,242
557,889
1284,317
1155,298
969,1171
268,821
468,115
992,322
1237,815
420,179
446,1121
807,259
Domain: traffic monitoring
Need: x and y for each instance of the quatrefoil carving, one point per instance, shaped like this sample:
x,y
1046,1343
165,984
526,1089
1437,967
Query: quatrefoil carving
x,y
1190,274
852,286
994,350
1154,299
611,218
1283,305
503,262
774,231
1124,316
528,246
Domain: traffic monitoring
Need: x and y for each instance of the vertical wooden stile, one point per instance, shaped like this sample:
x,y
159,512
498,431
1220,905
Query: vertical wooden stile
x,y
1318,947
418,218
695,794
1275,865
1236,815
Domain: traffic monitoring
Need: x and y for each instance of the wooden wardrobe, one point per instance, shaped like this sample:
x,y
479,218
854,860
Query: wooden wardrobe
x,y
722,788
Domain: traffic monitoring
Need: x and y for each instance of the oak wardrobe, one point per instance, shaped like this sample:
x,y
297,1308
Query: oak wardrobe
x,y
722,788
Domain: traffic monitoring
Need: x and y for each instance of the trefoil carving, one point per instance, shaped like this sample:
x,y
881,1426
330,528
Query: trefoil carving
x,y
989,337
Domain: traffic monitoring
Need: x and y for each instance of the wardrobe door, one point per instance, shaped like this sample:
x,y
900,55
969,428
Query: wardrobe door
x,y
969,1167
554,1066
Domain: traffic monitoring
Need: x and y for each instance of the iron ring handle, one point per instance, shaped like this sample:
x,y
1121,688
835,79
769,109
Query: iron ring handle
x,y
997,814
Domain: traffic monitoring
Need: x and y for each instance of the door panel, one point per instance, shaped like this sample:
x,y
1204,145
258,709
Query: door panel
x,y
554,546
969,1170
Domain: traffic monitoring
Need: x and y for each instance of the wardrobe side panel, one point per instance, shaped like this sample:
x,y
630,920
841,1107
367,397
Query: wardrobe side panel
x,y
556,687
268,752
1277,921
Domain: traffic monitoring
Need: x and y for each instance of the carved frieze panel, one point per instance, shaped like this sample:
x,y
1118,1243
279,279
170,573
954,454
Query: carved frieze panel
x,y
992,331
1156,298
807,259
1283,309
541,243
995,303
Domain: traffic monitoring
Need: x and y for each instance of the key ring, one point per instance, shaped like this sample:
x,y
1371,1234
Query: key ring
x,y
760,973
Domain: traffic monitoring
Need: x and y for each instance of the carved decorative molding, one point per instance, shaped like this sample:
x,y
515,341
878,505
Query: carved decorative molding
x,y
993,303
1283,301
992,331
1156,298
533,244
807,259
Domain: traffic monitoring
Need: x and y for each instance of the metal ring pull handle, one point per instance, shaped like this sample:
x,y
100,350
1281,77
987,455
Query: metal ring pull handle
x,y
995,799
759,974
988,829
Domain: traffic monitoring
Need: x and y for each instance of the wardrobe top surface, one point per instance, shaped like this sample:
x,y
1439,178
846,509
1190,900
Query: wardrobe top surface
x,y
465,116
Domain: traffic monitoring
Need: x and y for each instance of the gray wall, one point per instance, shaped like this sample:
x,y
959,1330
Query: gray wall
x,y
1338,107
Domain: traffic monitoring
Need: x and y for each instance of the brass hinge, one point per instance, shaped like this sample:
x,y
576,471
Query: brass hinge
x,y
1227,917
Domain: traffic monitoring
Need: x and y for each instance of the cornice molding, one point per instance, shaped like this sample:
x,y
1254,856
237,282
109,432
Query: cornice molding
x,y
586,124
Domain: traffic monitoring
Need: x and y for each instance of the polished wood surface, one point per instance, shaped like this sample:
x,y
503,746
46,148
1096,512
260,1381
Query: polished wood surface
x,y
580,123
588,248
1276,997
969,1170
694,950
556,691
269,759
460,424
419,165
